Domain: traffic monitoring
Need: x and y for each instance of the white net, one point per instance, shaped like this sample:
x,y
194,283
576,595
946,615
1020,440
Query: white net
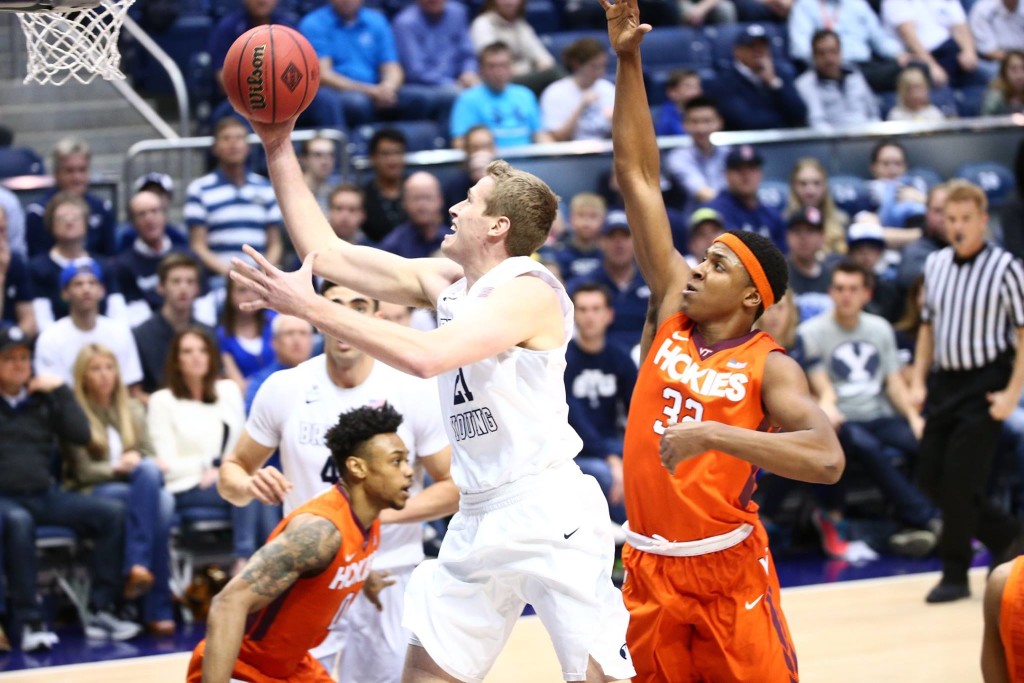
x,y
78,43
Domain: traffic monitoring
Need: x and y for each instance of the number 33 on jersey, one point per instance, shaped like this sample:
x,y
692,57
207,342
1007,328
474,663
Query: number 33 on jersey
x,y
683,379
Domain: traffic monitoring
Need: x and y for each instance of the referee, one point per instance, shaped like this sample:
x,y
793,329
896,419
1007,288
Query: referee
x,y
973,323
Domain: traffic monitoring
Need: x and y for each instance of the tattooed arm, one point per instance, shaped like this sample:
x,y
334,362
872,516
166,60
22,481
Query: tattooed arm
x,y
307,545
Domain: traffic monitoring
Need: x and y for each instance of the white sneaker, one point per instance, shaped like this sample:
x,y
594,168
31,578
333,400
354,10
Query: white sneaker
x,y
103,625
38,639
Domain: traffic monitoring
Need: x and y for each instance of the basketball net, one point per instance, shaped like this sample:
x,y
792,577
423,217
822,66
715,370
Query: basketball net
x,y
74,42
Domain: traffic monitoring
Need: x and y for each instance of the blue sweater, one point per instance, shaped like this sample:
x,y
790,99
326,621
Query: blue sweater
x,y
598,389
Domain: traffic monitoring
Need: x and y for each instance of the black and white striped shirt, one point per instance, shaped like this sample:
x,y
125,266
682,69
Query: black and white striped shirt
x,y
974,307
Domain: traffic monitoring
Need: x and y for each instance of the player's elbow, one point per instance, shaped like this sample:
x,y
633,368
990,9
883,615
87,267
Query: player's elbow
x,y
832,464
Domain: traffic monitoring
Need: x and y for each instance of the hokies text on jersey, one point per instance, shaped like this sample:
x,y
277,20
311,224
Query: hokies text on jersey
x,y
675,362
351,574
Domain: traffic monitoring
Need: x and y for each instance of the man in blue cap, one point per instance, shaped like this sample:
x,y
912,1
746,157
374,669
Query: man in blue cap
x,y
738,204
619,274
752,95
58,345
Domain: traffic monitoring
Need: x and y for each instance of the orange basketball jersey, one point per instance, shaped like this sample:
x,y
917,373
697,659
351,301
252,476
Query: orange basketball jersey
x,y
684,379
279,637
1011,621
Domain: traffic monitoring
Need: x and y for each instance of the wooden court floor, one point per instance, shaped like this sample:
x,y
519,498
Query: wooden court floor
x,y
879,630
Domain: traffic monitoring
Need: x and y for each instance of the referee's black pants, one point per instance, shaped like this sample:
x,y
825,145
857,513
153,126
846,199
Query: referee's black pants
x,y
957,452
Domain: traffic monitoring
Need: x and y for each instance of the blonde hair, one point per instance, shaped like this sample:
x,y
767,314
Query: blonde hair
x,y
966,191
833,219
910,76
67,147
588,200
527,202
98,441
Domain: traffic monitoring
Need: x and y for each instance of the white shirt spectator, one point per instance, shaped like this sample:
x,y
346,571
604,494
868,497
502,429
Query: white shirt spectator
x,y
929,113
59,344
188,435
560,99
528,52
995,28
837,103
932,19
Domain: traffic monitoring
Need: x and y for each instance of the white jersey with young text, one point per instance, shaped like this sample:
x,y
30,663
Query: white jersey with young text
x,y
295,407
506,415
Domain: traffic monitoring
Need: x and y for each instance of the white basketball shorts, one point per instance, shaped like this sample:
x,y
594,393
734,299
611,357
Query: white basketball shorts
x,y
543,540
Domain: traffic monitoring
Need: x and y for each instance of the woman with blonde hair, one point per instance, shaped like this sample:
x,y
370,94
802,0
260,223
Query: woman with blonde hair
x,y
117,464
505,21
808,187
913,98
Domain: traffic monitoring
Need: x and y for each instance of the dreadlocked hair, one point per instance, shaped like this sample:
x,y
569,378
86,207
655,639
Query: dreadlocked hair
x,y
357,426
773,263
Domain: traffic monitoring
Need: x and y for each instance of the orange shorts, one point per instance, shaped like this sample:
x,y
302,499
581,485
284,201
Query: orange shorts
x,y
308,671
713,617
1011,621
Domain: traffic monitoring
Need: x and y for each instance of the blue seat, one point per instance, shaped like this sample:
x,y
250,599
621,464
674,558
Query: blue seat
x,y
543,16
850,193
722,37
774,194
420,135
968,100
16,161
945,100
996,179
680,46
186,37
923,178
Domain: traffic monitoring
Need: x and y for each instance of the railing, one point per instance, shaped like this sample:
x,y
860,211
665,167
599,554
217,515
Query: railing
x,y
177,82
183,158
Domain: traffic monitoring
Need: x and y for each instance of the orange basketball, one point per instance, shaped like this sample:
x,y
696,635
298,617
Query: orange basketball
x,y
271,73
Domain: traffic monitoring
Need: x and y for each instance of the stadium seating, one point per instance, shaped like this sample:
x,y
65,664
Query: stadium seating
x,y
923,178
850,193
16,161
774,194
997,180
421,135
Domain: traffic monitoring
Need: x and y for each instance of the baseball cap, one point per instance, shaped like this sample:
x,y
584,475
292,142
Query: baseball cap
x,y
751,34
161,180
616,220
11,336
865,232
744,155
77,267
706,214
807,215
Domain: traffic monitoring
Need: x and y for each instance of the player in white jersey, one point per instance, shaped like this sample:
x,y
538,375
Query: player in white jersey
x,y
531,527
291,411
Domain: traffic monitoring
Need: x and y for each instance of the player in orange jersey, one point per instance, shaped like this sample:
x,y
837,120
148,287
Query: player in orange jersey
x,y
263,624
700,583
1002,649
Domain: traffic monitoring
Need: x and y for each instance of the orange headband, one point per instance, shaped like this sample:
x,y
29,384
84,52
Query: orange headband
x,y
752,265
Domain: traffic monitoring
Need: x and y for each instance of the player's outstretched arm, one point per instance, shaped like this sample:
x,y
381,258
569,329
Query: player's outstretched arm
x,y
637,161
412,282
307,545
806,450
524,312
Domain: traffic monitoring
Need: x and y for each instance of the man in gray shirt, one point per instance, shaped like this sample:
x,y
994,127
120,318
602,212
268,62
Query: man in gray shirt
x,y
854,369
835,94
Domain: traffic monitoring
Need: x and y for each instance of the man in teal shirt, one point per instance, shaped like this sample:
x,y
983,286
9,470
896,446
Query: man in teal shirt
x,y
510,111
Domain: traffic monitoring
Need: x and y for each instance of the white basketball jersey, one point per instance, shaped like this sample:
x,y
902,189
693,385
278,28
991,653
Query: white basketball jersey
x,y
506,415
294,408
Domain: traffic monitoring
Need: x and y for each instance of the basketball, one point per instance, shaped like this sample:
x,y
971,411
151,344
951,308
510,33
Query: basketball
x,y
271,73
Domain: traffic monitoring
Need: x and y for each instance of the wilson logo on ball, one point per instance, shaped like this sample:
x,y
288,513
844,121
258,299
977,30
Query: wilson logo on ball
x,y
257,97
